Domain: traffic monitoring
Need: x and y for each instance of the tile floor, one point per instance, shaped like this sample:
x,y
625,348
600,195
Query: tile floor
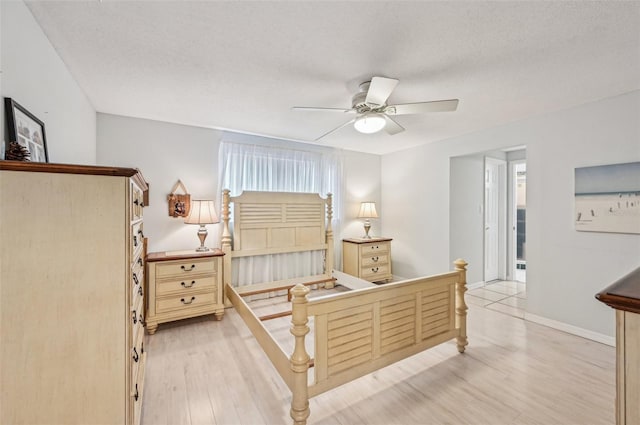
x,y
508,297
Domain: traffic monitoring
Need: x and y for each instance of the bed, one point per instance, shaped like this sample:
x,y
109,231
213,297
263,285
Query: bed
x,y
355,332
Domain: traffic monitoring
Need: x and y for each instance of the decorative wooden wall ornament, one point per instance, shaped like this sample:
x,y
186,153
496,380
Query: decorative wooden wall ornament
x,y
179,205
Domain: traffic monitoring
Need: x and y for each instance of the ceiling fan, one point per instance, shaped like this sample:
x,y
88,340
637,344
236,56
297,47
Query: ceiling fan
x,y
372,112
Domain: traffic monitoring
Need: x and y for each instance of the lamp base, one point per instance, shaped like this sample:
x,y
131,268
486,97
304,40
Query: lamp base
x,y
367,227
202,235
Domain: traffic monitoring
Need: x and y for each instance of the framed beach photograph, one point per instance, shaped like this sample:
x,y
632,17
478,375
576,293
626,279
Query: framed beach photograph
x,y
607,198
26,130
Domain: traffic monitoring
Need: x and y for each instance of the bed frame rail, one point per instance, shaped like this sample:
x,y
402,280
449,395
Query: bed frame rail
x,y
271,348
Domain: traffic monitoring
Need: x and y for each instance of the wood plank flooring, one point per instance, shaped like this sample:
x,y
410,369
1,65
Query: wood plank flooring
x,y
201,371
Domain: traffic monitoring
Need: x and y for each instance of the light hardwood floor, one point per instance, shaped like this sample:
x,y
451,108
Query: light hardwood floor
x,y
200,371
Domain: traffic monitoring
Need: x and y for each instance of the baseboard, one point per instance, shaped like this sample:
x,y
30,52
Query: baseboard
x,y
574,330
475,285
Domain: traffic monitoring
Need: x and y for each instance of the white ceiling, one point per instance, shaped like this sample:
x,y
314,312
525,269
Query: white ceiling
x,y
242,65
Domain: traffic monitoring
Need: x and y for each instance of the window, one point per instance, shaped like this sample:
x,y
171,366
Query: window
x,y
276,169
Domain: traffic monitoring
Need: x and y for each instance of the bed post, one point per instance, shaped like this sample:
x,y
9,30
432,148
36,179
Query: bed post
x,y
461,306
329,257
226,240
299,359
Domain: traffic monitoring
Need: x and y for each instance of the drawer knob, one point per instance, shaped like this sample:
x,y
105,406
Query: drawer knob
x,y
193,266
187,302
135,355
375,269
193,282
375,259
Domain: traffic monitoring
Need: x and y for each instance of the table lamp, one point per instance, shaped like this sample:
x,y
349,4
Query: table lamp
x,y
202,212
367,211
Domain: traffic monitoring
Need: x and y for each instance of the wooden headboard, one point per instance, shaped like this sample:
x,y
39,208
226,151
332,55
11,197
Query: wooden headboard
x,y
274,223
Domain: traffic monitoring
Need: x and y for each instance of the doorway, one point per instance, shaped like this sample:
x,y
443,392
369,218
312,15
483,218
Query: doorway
x,y
518,209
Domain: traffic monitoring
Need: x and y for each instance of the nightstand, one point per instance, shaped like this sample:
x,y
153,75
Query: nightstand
x,y
368,259
183,284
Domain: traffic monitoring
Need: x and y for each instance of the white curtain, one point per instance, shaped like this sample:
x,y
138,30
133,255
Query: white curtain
x,y
275,169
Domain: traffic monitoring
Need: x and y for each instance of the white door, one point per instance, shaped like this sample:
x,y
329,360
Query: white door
x,y
494,232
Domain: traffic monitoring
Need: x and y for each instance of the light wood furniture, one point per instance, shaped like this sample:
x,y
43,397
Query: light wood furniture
x,y
71,241
183,284
356,332
368,259
624,296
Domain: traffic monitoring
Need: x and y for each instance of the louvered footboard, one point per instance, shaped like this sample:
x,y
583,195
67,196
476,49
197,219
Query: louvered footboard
x,y
361,331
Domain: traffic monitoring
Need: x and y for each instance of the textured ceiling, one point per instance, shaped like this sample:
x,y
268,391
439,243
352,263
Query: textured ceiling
x,y
242,65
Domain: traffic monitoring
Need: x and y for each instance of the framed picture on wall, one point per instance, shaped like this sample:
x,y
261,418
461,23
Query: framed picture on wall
x,y
607,198
25,130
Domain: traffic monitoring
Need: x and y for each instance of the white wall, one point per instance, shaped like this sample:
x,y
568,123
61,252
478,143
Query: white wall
x,y
164,153
167,152
565,268
34,76
466,234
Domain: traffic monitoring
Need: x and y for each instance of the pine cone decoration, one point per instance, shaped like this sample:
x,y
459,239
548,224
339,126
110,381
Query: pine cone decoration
x,y
17,152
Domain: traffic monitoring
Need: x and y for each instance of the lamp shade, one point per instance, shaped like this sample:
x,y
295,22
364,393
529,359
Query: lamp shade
x,y
368,210
370,123
202,211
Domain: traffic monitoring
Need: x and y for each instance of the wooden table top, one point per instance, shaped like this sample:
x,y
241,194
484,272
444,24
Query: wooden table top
x,y
623,294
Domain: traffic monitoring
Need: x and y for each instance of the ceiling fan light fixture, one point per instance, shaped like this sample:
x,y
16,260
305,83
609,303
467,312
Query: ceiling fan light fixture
x,y
369,123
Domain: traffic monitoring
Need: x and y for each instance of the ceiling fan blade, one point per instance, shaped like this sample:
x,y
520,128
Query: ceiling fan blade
x,y
422,107
311,108
392,127
379,90
335,129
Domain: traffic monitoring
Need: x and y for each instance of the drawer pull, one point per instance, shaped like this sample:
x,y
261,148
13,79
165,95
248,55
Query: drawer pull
x,y
140,233
135,356
140,292
134,317
189,302
193,266
135,241
136,201
135,279
140,260
193,282
375,259
141,318
135,396
375,269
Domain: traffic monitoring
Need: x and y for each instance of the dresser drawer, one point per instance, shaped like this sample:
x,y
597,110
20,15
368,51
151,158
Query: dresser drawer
x,y
137,353
137,202
375,272
377,247
137,282
375,259
185,286
185,301
137,240
183,269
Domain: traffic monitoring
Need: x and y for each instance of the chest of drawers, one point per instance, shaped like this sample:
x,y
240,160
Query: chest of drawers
x,y
183,284
368,259
72,247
